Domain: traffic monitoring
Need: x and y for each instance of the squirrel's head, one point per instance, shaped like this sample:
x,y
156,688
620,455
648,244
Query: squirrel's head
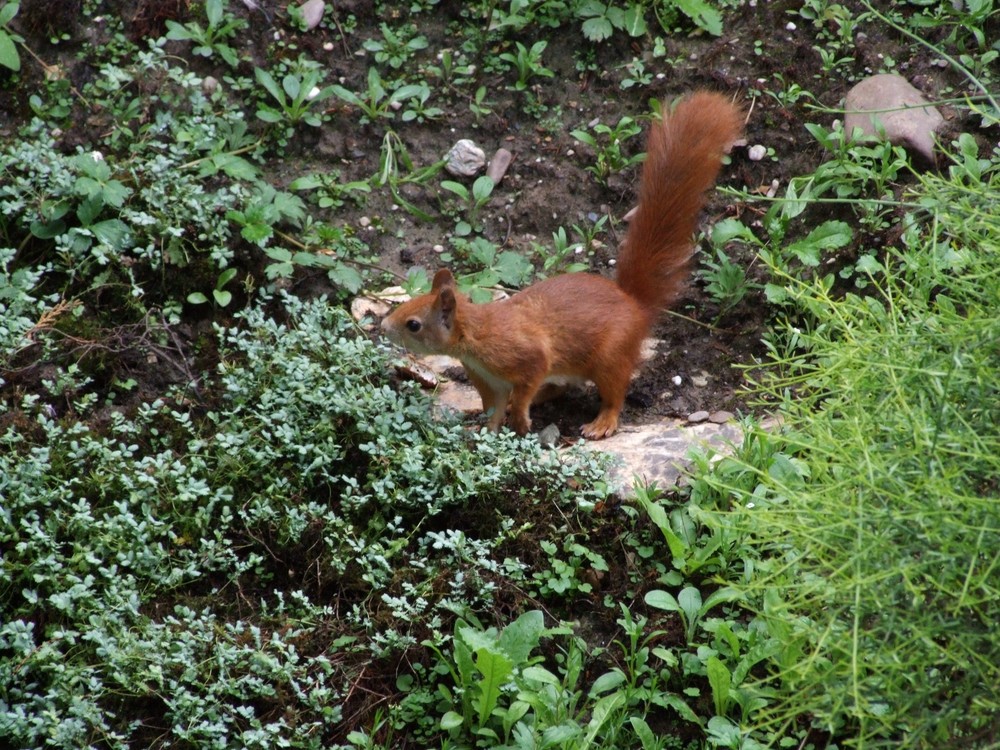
x,y
426,324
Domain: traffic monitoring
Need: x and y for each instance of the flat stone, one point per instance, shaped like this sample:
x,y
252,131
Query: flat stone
x,y
499,165
720,417
659,453
891,103
698,416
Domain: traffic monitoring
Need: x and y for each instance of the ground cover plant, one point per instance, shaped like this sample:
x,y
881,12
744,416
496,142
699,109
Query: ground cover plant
x,y
226,523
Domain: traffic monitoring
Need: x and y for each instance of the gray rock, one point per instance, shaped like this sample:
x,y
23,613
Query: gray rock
x,y
549,436
312,13
465,159
890,102
698,416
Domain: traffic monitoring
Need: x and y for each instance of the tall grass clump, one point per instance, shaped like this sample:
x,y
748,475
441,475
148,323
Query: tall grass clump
x,y
880,526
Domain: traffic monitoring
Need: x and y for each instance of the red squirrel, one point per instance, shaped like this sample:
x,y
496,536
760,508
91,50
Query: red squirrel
x,y
582,326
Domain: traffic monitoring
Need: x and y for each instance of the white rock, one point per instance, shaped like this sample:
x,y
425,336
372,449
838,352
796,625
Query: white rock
x,y
465,159
757,152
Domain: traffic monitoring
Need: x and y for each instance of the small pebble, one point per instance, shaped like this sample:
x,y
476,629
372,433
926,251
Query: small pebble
x,y
438,248
720,417
756,153
364,221
698,416
677,380
549,436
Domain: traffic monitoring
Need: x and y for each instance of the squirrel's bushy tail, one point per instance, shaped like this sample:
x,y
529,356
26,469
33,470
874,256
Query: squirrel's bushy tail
x,y
684,156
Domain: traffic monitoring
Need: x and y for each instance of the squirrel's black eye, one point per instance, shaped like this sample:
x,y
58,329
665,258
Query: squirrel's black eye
x,y
413,325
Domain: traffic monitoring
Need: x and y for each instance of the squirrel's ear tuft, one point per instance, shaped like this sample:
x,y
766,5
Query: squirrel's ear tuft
x,y
442,279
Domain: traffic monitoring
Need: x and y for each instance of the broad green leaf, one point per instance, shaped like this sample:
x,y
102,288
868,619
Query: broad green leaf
x,y
256,233
278,253
721,682
213,10
306,182
482,188
9,56
222,297
225,277
723,732
495,668
690,601
513,267
292,86
607,681
269,115
521,637
667,700
114,193
643,732
7,13
112,232
704,15
597,29
728,230
662,600
197,298
266,80
347,277
451,720
540,674
457,188
725,594
634,20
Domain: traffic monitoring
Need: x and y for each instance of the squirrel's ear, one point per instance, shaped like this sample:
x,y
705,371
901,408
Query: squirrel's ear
x,y
442,278
446,304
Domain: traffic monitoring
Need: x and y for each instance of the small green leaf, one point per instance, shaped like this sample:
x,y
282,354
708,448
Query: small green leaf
x,y
225,277
222,297
451,720
197,298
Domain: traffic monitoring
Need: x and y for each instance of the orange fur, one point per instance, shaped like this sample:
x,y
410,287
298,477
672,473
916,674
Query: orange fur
x,y
584,326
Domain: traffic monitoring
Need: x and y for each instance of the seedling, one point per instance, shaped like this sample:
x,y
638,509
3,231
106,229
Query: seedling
x,y
396,47
474,199
689,604
296,97
221,296
376,102
210,39
608,144
527,63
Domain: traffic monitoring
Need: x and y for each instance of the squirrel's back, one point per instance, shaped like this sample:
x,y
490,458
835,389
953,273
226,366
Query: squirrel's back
x,y
684,155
